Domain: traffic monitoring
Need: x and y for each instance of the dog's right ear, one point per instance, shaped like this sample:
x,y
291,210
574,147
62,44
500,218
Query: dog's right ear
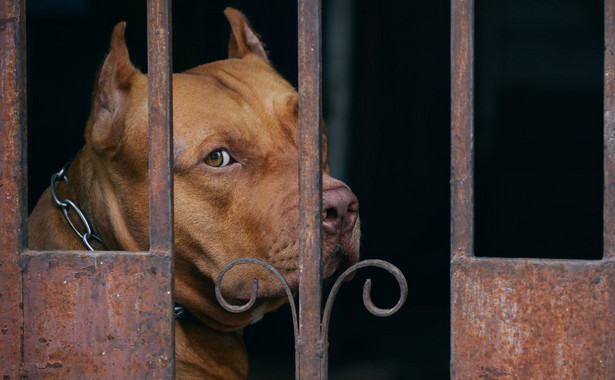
x,y
105,127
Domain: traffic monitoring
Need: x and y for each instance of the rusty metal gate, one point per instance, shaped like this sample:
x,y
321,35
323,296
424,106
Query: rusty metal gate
x,y
523,318
47,332
511,318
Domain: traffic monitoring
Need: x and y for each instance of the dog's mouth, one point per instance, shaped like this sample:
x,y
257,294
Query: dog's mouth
x,y
335,264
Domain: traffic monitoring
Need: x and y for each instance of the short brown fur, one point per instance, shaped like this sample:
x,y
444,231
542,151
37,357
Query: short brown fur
x,y
245,209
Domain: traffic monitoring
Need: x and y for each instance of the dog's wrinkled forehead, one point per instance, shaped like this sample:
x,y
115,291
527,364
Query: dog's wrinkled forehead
x,y
233,102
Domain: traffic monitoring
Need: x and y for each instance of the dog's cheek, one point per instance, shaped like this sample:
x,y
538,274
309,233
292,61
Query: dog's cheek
x,y
204,223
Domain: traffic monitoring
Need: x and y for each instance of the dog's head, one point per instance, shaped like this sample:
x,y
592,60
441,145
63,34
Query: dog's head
x,y
236,175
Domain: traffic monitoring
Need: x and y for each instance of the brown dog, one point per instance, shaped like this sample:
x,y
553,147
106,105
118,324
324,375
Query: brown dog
x,y
236,191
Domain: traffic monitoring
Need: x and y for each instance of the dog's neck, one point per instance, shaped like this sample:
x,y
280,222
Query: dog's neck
x,y
196,360
91,190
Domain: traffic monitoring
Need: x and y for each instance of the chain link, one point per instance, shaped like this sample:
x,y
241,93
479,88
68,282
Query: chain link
x,y
66,204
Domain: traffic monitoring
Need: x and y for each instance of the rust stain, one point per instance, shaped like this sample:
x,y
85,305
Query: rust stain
x,y
462,129
310,190
12,183
160,126
5,21
519,319
113,320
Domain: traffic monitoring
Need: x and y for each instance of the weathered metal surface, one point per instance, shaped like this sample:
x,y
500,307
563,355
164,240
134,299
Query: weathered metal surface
x,y
533,319
609,129
310,188
462,133
519,318
162,232
85,314
12,182
97,315
160,124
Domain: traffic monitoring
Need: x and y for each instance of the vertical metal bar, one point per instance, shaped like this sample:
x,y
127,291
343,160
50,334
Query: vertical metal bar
x,y
160,124
609,129
160,76
462,134
462,148
310,188
12,182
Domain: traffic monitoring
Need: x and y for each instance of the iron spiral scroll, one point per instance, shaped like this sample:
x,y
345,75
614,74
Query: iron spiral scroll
x,y
324,335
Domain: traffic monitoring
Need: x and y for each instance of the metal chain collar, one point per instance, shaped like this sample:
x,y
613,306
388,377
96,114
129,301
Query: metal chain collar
x,y
86,236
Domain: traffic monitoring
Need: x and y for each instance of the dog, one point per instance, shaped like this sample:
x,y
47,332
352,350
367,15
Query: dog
x,y
235,191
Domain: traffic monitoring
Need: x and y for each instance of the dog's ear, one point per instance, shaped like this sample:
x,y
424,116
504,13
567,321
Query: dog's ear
x,y
243,39
105,127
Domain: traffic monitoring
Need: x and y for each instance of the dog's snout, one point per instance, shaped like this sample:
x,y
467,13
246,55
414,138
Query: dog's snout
x,y
340,210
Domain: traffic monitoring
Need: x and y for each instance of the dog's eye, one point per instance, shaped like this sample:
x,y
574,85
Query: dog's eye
x,y
218,158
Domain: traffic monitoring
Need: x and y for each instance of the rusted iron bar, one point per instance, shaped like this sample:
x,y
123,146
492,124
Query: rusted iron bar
x,y
462,134
609,129
310,188
162,235
13,187
160,124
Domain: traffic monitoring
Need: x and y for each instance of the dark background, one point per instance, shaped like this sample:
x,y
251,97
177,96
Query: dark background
x,y
538,144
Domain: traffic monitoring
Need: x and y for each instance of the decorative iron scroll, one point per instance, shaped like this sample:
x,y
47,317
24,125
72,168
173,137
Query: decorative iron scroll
x,y
324,336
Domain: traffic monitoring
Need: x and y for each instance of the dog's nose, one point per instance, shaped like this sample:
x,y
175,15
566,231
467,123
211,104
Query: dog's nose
x,y
340,210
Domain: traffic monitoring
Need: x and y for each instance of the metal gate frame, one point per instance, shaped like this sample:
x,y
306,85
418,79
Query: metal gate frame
x,y
67,314
525,318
